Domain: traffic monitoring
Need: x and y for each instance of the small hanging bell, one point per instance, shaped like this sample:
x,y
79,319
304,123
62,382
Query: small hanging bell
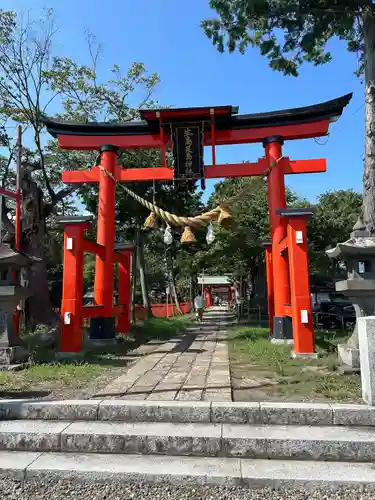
x,y
188,235
150,222
225,219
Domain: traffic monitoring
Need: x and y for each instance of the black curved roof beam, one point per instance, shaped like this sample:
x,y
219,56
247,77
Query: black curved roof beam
x,y
330,110
294,123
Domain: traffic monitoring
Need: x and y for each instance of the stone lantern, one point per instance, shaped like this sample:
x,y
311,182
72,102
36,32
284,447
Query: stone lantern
x,y
13,289
358,253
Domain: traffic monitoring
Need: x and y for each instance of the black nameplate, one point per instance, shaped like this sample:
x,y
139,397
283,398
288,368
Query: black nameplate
x,y
188,152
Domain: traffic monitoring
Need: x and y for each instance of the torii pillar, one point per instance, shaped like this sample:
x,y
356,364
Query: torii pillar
x,y
230,296
280,287
209,297
103,328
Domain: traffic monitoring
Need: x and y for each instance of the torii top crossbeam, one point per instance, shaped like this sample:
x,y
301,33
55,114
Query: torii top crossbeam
x,y
230,128
214,126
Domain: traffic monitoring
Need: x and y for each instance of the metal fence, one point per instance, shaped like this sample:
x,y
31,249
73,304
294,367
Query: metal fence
x,y
333,321
323,320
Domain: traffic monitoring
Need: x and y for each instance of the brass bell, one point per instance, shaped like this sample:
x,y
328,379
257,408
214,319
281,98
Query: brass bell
x,y
188,236
150,222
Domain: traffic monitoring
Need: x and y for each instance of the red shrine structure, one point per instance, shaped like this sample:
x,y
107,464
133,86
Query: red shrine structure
x,y
215,284
187,131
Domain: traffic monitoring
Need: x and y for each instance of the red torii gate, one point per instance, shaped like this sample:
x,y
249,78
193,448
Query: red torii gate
x,y
286,256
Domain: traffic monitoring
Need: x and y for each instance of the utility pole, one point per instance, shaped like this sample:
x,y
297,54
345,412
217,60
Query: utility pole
x,y
18,188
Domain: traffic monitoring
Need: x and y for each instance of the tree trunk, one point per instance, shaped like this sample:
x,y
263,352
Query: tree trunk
x,y
38,305
172,284
175,296
369,164
143,275
191,293
134,278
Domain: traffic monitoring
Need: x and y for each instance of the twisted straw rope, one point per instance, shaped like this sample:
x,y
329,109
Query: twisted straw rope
x,y
179,221
176,220
172,219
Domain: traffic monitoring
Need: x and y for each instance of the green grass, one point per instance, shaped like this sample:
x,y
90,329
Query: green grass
x,y
151,329
162,328
253,355
47,378
45,375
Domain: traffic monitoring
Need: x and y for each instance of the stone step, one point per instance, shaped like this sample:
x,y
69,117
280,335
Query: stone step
x,y
186,470
331,443
190,411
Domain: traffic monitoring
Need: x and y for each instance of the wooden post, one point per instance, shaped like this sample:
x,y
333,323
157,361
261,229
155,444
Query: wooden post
x,y
302,319
72,297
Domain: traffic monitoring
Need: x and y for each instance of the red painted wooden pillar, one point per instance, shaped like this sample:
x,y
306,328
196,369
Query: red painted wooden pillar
x,y
209,297
124,289
103,286
72,296
277,201
303,328
270,291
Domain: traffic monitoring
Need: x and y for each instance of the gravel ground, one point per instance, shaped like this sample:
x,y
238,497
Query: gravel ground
x,y
11,489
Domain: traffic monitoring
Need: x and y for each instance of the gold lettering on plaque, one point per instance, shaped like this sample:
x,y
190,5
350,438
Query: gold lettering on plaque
x,y
188,151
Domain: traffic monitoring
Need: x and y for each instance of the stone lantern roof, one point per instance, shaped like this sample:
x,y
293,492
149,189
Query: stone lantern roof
x,y
360,243
9,257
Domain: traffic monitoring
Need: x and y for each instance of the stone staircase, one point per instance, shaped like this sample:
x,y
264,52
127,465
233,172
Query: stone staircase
x,y
250,444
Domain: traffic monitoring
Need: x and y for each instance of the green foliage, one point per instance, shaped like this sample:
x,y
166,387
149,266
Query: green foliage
x,y
242,244
86,98
240,250
334,217
288,32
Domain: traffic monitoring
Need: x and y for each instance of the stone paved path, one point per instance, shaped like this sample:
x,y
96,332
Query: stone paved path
x,y
194,366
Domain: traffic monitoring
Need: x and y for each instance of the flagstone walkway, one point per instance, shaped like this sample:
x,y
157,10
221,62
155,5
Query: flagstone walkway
x,y
194,366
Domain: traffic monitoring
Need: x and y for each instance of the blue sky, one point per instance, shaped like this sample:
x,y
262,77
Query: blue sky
x,y
166,36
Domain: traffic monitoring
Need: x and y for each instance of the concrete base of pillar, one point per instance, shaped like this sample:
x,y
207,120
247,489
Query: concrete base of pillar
x,y
301,355
102,342
102,329
68,356
282,341
282,328
349,356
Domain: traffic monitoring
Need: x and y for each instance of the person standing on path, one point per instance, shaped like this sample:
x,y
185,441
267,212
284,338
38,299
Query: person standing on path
x,y
199,307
